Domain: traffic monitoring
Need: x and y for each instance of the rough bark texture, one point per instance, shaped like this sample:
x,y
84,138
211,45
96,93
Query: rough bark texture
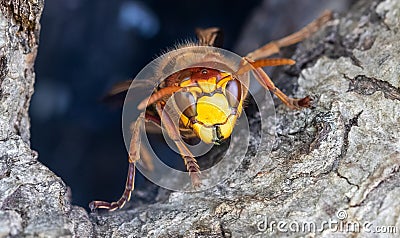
x,y
33,200
341,155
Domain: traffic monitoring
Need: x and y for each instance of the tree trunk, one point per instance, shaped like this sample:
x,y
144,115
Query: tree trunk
x,y
33,200
333,169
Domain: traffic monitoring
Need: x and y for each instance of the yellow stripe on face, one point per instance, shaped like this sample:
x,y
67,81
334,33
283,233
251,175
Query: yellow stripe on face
x,y
227,128
213,110
209,85
209,134
206,134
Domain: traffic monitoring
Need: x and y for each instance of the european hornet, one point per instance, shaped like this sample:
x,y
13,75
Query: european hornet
x,y
208,95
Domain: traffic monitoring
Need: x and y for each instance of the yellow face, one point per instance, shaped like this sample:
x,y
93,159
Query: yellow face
x,y
215,119
211,105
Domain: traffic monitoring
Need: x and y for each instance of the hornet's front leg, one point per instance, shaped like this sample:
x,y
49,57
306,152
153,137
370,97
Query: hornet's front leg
x,y
191,163
134,156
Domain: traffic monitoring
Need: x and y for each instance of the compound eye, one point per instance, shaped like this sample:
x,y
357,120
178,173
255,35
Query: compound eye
x,y
233,92
186,103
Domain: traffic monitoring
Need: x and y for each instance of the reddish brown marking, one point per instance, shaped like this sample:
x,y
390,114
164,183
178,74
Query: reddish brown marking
x,y
204,74
194,74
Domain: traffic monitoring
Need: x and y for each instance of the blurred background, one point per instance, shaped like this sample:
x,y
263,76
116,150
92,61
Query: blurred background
x,y
87,46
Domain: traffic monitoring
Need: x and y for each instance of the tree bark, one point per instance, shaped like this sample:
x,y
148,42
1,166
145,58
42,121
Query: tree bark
x,y
33,200
337,162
